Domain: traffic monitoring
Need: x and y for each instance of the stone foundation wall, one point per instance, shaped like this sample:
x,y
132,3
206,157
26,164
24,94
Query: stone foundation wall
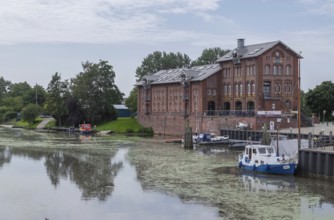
x,y
175,125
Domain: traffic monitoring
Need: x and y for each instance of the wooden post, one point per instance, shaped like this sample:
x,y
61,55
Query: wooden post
x,y
188,138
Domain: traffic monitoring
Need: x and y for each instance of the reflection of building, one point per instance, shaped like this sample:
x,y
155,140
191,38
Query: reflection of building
x,y
253,84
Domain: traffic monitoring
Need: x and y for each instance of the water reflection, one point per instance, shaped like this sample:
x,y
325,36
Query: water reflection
x,y
5,156
60,177
265,183
93,174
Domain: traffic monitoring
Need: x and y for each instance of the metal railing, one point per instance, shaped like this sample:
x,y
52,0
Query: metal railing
x,y
238,113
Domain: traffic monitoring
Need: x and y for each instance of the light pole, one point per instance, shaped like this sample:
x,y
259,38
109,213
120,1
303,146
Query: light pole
x,y
323,117
299,105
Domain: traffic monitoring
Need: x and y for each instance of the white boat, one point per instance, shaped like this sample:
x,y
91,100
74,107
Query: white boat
x,y
209,138
265,159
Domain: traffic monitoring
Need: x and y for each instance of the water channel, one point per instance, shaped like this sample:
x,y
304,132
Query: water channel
x,y
66,176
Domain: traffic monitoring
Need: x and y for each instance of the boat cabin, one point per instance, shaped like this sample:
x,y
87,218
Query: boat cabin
x,y
258,150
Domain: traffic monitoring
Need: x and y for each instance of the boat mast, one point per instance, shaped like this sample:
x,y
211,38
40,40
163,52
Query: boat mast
x,y
299,101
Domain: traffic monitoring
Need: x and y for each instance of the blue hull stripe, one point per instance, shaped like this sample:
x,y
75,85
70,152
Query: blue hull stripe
x,y
272,169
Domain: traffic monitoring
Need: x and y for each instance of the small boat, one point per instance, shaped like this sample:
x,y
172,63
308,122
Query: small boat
x,y
85,129
209,138
264,159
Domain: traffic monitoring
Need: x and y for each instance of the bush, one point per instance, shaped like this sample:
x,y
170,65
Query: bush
x,y
30,113
147,132
129,130
10,115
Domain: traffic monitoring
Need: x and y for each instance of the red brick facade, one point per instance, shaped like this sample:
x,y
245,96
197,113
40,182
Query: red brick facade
x,y
242,88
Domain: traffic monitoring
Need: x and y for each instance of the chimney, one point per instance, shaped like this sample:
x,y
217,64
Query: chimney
x,y
241,43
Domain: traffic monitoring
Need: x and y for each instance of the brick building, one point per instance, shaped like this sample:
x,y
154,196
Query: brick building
x,y
254,84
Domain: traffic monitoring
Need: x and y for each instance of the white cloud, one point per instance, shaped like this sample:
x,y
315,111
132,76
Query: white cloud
x,y
91,21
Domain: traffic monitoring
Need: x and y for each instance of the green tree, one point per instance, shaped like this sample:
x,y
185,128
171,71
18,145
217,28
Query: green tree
x,y
320,100
131,101
14,103
4,87
22,89
96,91
57,92
209,56
157,61
30,113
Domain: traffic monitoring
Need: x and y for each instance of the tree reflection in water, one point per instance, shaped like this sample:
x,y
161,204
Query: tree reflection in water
x,y
5,155
92,173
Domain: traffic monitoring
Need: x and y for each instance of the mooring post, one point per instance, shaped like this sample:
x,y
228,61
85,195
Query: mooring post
x,y
309,140
188,137
331,139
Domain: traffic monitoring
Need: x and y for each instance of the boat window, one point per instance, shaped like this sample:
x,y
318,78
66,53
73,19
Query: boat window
x,y
270,150
254,151
262,150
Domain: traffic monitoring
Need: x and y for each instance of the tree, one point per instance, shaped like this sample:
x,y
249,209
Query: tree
x,y
24,90
209,56
14,103
30,113
4,87
157,61
320,100
57,92
96,91
131,101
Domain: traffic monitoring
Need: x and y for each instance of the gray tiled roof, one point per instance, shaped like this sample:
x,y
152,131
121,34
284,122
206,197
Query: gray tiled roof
x,y
251,51
196,73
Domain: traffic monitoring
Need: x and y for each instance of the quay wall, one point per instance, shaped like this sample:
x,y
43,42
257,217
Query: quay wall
x,y
317,162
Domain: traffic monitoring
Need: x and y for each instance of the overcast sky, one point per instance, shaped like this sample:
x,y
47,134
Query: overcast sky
x,y
41,37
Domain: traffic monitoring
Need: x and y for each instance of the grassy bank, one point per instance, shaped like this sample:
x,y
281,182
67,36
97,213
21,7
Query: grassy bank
x,y
123,125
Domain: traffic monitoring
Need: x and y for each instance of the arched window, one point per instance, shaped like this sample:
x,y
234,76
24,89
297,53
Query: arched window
x,y
253,89
285,88
267,71
280,70
240,88
266,89
275,70
288,70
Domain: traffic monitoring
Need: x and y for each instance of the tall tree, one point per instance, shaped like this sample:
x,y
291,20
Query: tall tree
x,y
22,89
4,87
96,91
131,101
209,56
161,60
320,100
57,92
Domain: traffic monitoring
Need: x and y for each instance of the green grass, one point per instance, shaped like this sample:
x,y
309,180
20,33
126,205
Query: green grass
x,y
121,125
25,124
